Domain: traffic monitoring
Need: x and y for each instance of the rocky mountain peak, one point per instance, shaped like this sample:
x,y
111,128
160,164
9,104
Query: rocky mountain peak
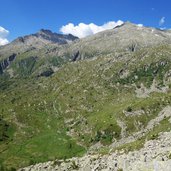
x,y
55,37
45,31
43,37
128,24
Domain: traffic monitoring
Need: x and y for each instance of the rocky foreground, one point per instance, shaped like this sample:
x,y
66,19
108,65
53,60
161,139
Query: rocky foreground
x,y
154,156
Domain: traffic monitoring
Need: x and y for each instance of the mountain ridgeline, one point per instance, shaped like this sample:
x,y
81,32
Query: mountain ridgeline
x,y
62,97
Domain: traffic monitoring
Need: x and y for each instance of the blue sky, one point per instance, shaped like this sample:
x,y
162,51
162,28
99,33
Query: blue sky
x,y
21,17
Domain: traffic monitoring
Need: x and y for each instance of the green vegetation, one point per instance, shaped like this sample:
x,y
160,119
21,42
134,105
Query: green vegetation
x,y
169,156
84,102
120,169
6,131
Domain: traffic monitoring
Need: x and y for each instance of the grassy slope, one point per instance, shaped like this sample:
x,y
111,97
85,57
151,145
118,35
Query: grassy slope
x,y
83,99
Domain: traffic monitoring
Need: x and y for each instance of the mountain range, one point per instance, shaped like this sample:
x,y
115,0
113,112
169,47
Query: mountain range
x,y
63,97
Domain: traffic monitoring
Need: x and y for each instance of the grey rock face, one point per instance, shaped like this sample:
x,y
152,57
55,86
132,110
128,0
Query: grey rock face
x,y
126,38
6,62
48,36
36,44
38,40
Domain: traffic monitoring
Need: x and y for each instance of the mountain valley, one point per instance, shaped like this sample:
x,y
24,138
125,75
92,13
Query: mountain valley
x,y
65,101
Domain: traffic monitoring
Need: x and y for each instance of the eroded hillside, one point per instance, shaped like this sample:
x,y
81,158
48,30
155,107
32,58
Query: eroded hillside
x,y
114,96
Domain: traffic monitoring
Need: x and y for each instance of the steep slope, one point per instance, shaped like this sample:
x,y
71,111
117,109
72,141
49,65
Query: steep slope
x,y
125,38
115,100
30,50
49,50
37,40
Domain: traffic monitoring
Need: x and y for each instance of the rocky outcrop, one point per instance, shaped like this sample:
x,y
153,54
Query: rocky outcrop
x,y
6,62
46,73
144,92
54,37
76,56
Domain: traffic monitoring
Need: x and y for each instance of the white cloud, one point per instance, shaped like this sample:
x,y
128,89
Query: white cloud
x,y
162,21
140,25
163,28
3,41
82,30
3,36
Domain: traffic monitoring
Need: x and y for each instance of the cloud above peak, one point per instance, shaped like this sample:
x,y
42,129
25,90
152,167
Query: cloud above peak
x,y
82,30
3,36
162,21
